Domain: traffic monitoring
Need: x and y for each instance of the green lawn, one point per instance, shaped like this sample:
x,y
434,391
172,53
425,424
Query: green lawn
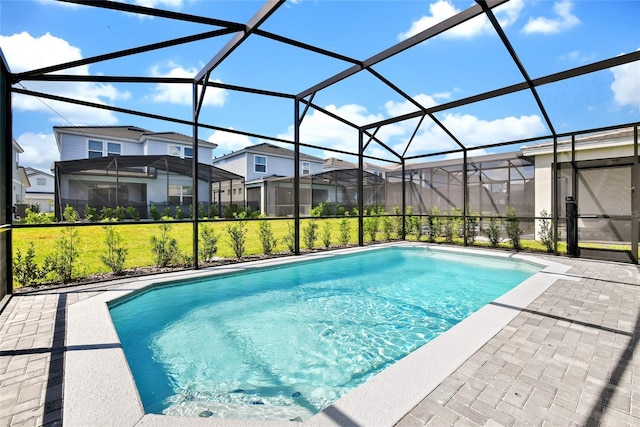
x,y
137,238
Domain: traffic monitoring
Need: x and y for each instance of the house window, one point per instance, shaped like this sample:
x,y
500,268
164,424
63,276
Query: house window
x,y
180,151
180,195
114,149
95,149
41,181
260,164
306,168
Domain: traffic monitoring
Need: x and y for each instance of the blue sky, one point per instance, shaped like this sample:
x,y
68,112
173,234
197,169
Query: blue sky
x,y
548,37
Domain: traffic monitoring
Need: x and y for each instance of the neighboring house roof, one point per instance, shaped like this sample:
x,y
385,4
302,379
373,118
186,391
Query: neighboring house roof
x,y
270,149
17,146
24,179
32,171
584,142
335,163
131,133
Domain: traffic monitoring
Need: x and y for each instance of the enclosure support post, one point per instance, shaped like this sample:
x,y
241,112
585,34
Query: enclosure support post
x,y
6,180
554,193
404,202
634,198
194,174
296,177
360,189
464,197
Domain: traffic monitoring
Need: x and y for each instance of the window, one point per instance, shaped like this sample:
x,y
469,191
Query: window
x,y
306,168
180,195
95,149
41,181
180,151
114,149
260,164
234,191
175,150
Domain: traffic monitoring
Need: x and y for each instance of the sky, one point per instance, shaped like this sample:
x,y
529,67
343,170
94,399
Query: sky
x,y
547,36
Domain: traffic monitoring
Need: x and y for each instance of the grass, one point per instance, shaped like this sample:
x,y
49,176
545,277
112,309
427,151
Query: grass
x,y
137,238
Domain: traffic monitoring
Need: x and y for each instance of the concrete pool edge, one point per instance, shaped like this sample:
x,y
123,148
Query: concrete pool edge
x,y
99,388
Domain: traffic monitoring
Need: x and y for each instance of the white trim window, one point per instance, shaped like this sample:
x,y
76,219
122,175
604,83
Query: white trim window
x,y
180,195
97,148
41,181
180,151
306,168
259,164
94,149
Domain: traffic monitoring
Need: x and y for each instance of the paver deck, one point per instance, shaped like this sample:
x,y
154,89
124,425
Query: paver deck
x,y
569,358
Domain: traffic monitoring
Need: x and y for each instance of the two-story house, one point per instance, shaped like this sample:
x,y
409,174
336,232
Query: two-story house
x,y
258,164
20,180
110,166
41,192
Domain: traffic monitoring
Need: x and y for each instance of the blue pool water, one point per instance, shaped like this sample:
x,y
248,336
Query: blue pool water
x,y
286,342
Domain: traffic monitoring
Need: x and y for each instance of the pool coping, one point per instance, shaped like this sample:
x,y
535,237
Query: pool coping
x,y
99,388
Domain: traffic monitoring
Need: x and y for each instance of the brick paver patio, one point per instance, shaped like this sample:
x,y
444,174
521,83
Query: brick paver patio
x,y
567,359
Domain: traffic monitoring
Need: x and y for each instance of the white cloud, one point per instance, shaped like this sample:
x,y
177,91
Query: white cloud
x,y
322,130
506,14
171,4
626,84
183,93
399,108
228,142
564,20
472,131
24,52
40,150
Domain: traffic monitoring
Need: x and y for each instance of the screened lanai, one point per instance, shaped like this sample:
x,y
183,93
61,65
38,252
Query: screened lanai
x,y
394,89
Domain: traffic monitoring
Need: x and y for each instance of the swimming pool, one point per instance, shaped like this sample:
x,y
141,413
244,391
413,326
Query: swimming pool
x,y
283,343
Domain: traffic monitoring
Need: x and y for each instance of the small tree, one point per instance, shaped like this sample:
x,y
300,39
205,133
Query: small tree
x,y
267,239
106,214
434,223
179,213
70,214
386,225
290,238
133,213
514,232
164,248
472,227
397,221
155,213
238,236
116,252
371,225
90,214
120,213
326,234
493,232
546,230
345,231
208,242
310,233
25,269
62,262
